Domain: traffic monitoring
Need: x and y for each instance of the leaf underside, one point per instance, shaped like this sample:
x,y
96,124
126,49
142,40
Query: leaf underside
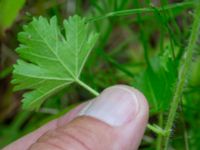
x,y
49,60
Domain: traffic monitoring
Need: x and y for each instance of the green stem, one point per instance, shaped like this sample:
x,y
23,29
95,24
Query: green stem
x,y
141,10
187,58
95,93
143,35
159,138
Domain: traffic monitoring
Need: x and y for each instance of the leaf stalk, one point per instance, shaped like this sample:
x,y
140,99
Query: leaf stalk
x,y
94,92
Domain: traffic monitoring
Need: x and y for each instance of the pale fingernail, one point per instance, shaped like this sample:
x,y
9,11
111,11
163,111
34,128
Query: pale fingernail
x,y
116,106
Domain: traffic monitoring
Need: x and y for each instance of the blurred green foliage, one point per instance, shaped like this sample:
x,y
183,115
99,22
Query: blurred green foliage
x,y
8,12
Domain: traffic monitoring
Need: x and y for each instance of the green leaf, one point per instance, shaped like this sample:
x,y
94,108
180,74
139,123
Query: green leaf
x,y
8,12
157,82
49,60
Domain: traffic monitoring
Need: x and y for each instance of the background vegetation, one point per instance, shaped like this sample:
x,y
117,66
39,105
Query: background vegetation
x,y
141,44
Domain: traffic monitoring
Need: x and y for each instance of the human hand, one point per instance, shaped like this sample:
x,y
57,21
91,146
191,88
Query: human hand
x,y
115,120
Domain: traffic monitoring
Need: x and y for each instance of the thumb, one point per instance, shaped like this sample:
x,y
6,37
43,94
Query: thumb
x,y
115,120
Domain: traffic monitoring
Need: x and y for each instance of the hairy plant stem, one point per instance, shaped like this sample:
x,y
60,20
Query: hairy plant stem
x,y
186,60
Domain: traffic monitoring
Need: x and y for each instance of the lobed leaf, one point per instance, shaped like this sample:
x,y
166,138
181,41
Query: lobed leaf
x,y
49,61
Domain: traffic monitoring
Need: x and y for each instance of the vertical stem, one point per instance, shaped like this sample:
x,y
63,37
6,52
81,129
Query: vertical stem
x,y
186,60
159,138
143,36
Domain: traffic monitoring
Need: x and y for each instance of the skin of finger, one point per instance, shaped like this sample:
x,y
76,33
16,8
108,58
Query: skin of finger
x,y
25,142
85,133
126,137
133,132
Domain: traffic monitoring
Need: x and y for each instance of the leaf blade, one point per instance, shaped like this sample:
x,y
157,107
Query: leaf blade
x,y
49,61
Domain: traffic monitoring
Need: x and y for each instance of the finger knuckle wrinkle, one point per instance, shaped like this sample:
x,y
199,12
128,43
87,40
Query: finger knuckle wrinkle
x,y
74,139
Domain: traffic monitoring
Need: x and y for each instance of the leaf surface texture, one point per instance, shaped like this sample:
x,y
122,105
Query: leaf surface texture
x,y
49,59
